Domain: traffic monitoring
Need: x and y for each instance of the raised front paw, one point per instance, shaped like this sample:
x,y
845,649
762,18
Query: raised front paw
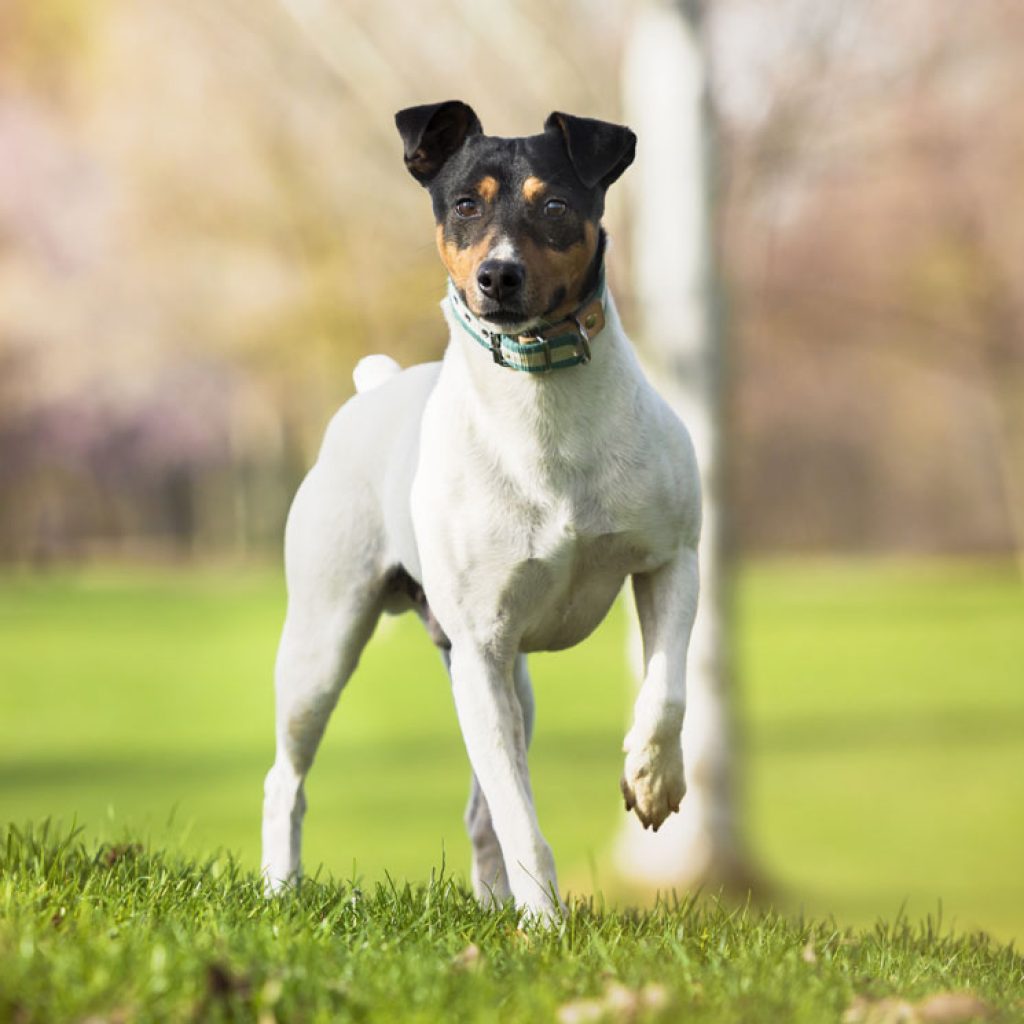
x,y
652,783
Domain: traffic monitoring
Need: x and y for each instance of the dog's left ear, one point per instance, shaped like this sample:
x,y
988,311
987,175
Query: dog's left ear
x,y
432,133
599,151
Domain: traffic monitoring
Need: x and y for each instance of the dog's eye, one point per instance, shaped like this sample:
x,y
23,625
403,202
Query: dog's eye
x,y
468,208
555,208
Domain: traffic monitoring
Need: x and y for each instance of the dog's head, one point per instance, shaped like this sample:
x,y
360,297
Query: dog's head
x,y
518,220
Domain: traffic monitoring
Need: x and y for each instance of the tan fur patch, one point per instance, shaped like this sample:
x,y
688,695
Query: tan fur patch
x,y
461,264
487,187
565,269
532,188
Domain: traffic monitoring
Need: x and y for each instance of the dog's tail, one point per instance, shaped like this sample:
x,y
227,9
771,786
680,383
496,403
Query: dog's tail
x,y
372,371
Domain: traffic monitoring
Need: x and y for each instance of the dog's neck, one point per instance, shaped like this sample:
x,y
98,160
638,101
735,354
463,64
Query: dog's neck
x,y
556,420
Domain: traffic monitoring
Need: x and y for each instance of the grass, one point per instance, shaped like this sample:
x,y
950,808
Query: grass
x,y
124,933
883,766
885,717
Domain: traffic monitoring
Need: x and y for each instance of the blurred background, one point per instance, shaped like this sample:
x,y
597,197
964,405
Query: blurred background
x,y
205,221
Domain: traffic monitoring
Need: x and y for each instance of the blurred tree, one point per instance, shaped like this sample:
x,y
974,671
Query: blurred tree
x,y
874,227
676,289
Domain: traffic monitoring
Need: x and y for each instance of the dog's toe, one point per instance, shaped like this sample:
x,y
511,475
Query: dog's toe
x,y
653,783
627,794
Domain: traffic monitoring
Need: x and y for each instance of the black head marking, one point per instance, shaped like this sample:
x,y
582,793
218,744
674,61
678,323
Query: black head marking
x,y
535,202
432,133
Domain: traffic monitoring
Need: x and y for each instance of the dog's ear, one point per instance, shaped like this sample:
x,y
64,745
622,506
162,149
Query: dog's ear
x,y
432,133
599,151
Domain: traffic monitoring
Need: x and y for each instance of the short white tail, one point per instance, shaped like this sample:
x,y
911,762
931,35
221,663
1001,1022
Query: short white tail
x,y
372,371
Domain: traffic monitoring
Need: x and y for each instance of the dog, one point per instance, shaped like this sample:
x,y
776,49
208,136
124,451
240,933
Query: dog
x,y
504,494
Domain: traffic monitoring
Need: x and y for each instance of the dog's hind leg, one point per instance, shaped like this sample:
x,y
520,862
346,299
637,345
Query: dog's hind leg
x,y
335,595
490,879
318,652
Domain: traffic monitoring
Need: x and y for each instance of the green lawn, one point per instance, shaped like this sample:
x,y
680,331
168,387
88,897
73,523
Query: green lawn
x,y
124,935
883,714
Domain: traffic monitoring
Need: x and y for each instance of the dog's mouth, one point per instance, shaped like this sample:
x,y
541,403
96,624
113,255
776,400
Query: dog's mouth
x,y
509,319
515,318
505,317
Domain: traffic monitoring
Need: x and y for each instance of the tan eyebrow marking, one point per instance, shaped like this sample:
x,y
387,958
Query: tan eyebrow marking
x,y
532,188
487,187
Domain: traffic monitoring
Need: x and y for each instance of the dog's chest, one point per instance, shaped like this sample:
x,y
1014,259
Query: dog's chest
x,y
573,575
548,574
529,516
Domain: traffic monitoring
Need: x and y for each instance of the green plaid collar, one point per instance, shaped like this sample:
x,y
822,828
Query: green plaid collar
x,y
555,347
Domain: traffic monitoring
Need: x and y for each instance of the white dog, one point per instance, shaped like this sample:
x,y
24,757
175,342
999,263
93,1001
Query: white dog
x,y
505,494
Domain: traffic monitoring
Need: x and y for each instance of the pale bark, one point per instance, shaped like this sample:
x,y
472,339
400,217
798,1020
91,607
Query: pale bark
x,y
676,308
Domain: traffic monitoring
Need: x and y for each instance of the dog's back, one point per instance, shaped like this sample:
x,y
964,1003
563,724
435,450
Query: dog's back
x,y
348,510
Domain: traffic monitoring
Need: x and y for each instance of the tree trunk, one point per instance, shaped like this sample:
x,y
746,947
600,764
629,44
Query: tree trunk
x,y
676,305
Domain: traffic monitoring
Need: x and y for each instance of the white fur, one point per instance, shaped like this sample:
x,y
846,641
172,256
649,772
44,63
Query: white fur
x,y
372,371
520,502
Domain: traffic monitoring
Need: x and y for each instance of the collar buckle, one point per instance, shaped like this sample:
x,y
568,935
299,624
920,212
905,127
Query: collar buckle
x,y
583,344
539,339
496,353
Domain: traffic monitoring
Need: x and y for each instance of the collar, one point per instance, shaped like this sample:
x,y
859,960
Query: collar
x,y
560,345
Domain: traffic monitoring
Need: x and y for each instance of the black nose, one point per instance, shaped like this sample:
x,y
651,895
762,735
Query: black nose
x,y
500,279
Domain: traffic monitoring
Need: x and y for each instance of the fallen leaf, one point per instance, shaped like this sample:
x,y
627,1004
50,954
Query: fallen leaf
x,y
271,991
622,1002
879,1011
952,1008
221,982
619,1003
121,851
118,1016
654,996
808,955
581,1011
941,1008
469,959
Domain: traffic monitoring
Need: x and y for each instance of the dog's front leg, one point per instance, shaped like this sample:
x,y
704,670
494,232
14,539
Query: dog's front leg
x,y
495,734
666,602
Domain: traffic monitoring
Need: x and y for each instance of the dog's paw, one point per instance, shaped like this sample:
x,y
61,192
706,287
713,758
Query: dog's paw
x,y
652,783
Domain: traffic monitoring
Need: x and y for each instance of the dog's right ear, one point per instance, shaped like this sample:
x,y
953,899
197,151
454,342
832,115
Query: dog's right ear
x,y
432,133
